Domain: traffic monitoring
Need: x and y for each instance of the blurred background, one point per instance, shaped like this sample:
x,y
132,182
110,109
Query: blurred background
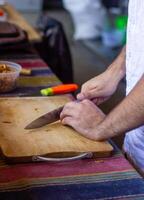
x,y
95,30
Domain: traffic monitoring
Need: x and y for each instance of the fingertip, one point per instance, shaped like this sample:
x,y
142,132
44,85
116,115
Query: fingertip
x,y
65,121
80,96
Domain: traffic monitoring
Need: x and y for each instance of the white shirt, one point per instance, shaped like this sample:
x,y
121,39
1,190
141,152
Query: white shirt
x,y
134,140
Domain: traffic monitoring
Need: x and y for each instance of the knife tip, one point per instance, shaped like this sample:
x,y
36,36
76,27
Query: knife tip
x,y
28,127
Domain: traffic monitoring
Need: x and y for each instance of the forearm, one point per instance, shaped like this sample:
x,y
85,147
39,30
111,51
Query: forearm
x,y
118,67
126,116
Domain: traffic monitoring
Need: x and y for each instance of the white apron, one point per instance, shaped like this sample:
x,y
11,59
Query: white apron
x,y
134,140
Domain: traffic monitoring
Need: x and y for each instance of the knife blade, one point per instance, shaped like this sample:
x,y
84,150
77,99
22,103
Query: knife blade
x,y
45,119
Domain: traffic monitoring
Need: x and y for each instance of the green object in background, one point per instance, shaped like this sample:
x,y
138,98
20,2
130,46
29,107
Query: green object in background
x,y
121,26
121,22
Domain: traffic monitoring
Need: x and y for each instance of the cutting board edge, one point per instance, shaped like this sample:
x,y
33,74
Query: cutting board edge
x,y
100,154
25,159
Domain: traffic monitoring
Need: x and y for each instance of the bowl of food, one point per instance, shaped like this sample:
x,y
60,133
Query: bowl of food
x,y
9,73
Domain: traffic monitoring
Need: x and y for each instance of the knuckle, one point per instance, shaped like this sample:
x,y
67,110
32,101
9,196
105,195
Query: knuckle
x,y
84,87
99,87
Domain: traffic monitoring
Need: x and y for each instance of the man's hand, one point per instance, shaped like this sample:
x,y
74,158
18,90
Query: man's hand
x,y
83,117
100,88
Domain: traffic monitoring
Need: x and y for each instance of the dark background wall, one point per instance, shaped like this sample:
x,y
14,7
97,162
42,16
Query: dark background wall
x,y
58,3
52,4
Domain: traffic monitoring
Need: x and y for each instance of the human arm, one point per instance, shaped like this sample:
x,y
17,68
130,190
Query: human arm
x,y
101,87
91,122
129,114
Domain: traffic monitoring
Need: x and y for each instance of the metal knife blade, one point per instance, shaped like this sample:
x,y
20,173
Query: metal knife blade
x,y
45,119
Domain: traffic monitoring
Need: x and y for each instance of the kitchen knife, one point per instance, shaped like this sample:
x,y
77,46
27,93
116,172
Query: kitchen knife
x,y
45,119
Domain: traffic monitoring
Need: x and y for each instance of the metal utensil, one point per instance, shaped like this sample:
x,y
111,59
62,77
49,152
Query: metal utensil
x,y
47,118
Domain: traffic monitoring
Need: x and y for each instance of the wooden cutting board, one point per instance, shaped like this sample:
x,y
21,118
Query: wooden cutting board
x,y
51,140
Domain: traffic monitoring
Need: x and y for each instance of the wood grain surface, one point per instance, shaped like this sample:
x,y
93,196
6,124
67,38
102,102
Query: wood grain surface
x,y
52,139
